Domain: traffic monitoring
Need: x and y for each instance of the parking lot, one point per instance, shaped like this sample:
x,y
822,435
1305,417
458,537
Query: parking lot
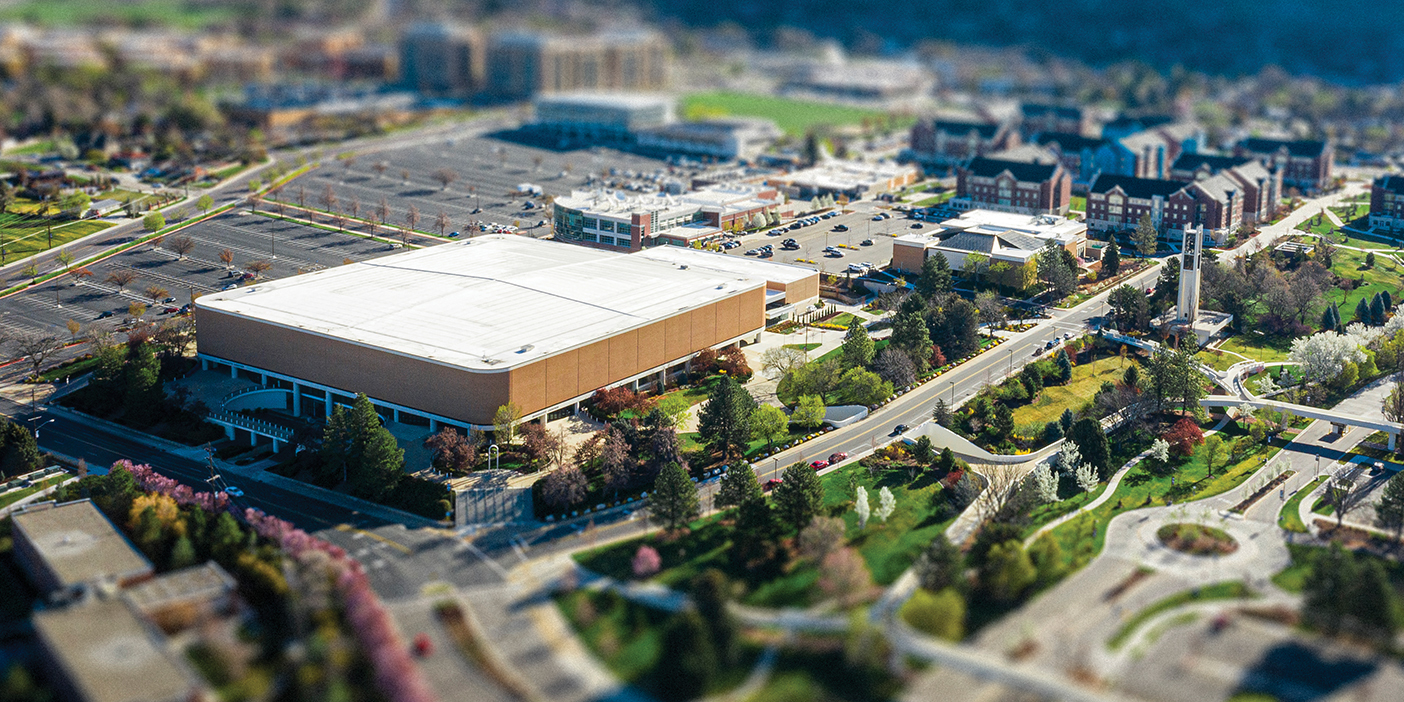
x,y
487,172
814,238
289,248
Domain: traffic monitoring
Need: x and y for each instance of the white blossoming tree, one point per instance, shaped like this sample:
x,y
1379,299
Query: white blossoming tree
x,y
887,504
1069,458
860,505
1087,477
1043,483
1323,356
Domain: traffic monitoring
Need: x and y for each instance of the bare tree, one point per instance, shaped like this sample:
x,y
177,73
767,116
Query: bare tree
x,y
257,267
441,220
301,196
1393,405
340,221
445,176
411,219
181,245
536,163
37,347
379,167
121,277
1345,495
1001,487
80,274
329,198
404,174
227,258
354,207
156,293
382,211
282,208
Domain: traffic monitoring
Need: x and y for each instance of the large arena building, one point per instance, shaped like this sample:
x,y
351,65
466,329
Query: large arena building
x,y
447,334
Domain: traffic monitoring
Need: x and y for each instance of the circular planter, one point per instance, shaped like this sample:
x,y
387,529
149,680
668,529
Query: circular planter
x,y
1196,539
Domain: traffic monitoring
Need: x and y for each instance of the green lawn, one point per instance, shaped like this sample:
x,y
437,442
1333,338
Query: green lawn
x,y
175,13
1259,346
842,319
1081,538
22,237
16,496
933,201
1086,380
628,638
1078,202
68,370
794,116
888,549
1230,590
1290,518
803,347
1386,275
1359,243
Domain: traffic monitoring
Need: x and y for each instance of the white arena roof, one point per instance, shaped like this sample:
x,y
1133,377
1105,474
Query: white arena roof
x,y
487,303
774,272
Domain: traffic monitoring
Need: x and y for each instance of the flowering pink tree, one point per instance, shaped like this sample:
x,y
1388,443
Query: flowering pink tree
x,y
396,674
647,562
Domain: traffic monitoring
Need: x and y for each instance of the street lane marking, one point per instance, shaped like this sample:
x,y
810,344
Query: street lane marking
x,y
348,528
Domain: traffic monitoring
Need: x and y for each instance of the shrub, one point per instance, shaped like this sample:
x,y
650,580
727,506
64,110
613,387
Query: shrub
x,y
646,562
940,614
1183,437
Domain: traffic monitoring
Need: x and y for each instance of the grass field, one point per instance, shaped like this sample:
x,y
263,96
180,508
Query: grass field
x,y
887,548
25,237
1078,202
174,13
17,495
794,116
1386,275
1290,517
1086,379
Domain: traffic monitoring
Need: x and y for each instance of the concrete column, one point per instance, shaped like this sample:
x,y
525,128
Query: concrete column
x,y
233,372
204,364
253,439
275,446
1393,438
229,433
433,424
662,380
297,400
329,403
395,415
263,379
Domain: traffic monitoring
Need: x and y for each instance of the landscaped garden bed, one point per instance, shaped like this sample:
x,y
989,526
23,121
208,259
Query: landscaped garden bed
x,y
1196,539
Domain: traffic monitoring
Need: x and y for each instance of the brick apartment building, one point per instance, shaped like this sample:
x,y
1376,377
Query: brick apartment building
x,y
948,143
1305,164
1262,186
1013,186
1117,203
1387,205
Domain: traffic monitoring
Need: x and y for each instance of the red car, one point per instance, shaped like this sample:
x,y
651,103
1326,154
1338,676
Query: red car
x,y
769,484
423,646
819,465
839,456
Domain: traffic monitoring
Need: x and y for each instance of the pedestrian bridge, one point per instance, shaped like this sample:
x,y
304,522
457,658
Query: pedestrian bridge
x,y
1339,419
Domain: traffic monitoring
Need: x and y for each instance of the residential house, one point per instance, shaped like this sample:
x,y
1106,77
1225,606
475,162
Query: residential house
x,y
1013,186
1305,164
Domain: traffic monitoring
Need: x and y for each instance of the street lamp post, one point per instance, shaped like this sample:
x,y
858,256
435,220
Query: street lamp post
x,y
952,382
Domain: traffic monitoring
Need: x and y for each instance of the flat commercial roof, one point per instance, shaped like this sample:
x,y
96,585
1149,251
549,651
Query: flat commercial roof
x,y
109,655
774,272
487,303
78,544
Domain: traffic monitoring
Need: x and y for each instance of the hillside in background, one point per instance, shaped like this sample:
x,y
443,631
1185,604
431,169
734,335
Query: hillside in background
x,y
1355,41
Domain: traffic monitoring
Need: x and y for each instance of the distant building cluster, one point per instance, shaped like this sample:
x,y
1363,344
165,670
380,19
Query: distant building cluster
x,y
999,237
1387,205
459,61
103,633
628,222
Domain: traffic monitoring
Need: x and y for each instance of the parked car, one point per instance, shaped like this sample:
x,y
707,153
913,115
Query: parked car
x,y
819,465
841,227
770,484
170,310
916,225
877,218
233,491
105,314
838,456
899,429
867,242
752,252
168,300
423,645
453,234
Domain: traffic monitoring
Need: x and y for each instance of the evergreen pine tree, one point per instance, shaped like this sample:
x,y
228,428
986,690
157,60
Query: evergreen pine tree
x,y
857,345
1111,260
1377,310
725,421
1362,312
935,275
1064,366
1066,419
799,496
737,485
673,502
689,663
